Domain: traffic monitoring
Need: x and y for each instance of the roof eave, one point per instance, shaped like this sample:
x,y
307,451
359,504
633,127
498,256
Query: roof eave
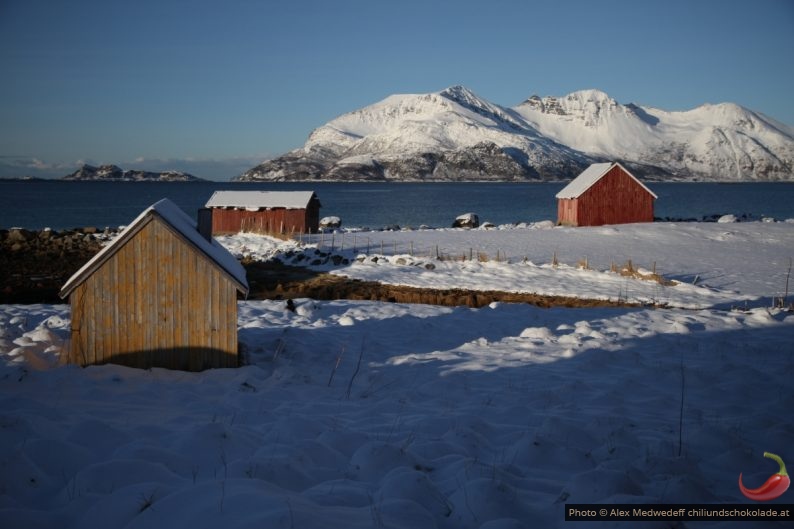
x,y
563,195
84,272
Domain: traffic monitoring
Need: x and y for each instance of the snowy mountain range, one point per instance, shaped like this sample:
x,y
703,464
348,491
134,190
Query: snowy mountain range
x,y
114,173
455,135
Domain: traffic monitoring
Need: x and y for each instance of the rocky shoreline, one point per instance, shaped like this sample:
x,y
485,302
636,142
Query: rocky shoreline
x,y
36,263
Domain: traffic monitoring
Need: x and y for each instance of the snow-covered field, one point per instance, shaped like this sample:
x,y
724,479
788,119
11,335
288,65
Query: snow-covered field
x,y
363,414
714,264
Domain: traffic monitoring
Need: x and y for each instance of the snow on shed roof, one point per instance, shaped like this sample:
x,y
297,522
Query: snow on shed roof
x,y
260,199
185,226
590,176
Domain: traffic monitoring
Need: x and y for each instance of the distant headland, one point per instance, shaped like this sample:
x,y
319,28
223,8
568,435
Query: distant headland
x,y
114,173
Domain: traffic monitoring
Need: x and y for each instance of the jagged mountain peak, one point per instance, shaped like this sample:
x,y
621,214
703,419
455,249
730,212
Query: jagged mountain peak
x,y
590,94
587,105
461,94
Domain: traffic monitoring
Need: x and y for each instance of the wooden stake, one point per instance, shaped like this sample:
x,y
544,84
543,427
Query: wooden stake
x,y
336,366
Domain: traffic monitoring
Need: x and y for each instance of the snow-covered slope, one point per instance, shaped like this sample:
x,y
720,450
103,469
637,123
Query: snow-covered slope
x,y
456,135
720,142
361,414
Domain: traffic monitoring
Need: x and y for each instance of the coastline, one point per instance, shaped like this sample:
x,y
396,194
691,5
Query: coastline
x,y
370,206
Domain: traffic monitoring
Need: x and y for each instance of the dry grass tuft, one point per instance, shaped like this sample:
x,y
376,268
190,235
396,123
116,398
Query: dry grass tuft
x,y
628,270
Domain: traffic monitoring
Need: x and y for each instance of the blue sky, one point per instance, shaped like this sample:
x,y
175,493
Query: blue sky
x,y
215,87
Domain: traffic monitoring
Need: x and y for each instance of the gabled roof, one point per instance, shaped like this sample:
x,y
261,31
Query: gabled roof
x,y
590,176
183,226
261,199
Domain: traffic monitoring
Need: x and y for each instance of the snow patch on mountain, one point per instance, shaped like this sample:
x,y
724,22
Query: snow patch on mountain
x,y
714,142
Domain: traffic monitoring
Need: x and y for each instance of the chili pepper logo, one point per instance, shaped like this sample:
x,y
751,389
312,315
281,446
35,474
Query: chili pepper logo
x,y
773,488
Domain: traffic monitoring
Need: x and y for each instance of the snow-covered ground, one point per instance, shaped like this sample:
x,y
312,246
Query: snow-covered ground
x,y
713,264
363,414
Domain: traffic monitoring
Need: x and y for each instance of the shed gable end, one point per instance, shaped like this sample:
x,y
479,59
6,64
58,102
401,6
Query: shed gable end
x,y
155,302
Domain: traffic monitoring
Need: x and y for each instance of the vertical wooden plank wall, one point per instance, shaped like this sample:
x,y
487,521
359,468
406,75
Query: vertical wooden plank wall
x,y
157,302
77,352
277,221
566,211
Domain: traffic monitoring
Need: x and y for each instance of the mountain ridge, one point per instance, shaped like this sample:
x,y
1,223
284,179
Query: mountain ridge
x,y
456,135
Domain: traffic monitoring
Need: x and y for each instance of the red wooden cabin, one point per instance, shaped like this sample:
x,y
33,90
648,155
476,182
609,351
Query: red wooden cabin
x,y
605,193
266,212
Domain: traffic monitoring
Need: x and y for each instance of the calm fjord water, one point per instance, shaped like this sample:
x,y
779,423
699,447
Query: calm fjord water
x,y
58,205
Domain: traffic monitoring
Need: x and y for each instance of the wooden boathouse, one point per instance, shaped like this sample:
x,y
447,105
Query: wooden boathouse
x,y
277,213
605,193
159,295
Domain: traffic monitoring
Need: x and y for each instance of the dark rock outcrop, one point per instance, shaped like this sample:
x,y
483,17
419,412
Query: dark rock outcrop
x,y
36,264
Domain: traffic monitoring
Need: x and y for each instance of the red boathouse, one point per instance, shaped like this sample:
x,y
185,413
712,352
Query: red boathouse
x,y
605,193
277,213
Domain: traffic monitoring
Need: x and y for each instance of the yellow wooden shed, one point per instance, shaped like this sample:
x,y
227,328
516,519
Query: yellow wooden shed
x,y
159,295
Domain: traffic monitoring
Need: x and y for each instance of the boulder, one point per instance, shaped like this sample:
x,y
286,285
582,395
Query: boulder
x,y
467,220
726,219
18,235
330,222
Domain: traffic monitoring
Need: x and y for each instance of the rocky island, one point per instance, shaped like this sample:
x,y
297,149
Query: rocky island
x,y
114,173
